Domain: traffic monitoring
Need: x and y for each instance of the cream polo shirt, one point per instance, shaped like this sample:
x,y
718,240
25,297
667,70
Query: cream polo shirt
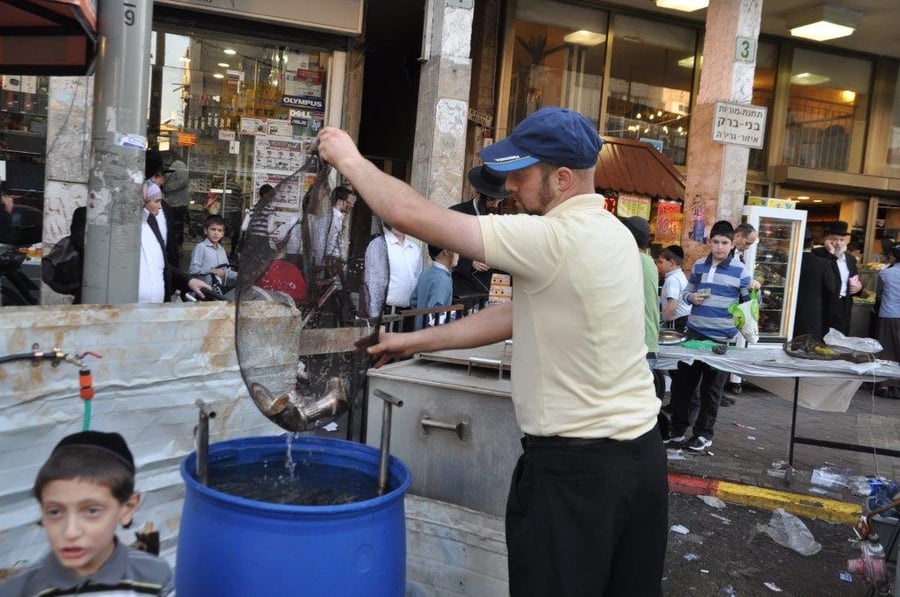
x,y
579,366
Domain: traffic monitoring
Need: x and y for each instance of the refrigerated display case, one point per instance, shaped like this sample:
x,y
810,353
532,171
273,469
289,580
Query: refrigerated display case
x,y
774,262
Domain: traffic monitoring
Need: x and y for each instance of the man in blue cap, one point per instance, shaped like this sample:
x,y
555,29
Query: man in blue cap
x,y
587,509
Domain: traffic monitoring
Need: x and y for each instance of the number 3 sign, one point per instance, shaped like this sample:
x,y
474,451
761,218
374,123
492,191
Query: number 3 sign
x,y
745,50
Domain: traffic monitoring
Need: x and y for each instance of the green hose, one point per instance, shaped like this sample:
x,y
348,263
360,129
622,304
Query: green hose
x,y
86,426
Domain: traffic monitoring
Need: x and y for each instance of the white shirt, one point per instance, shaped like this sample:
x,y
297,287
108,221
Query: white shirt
x,y
845,274
673,286
333,242
151,277
405,261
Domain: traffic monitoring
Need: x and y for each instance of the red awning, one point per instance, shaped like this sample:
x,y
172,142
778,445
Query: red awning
x,y
629,166
47,37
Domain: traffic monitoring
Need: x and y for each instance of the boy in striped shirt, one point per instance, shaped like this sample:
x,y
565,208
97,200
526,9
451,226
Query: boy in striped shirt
x,y
715,283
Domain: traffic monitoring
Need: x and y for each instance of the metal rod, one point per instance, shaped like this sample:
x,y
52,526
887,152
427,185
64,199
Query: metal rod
x,y
385,456
202,438
794,421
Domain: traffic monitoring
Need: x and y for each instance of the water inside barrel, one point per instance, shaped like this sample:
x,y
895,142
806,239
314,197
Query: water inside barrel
x,y
299,483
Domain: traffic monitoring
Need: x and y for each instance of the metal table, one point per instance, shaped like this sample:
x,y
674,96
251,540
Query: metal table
x,y
775,363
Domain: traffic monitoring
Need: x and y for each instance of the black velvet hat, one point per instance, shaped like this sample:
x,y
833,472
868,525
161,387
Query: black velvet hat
x,y
154,164
111,443
838,228
488,182
676,250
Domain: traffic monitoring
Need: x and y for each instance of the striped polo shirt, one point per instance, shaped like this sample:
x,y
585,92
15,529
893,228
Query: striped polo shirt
x,y
728,284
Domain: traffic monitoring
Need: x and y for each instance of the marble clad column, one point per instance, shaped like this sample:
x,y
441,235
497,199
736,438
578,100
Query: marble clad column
x,y
68,160
717,173
441,121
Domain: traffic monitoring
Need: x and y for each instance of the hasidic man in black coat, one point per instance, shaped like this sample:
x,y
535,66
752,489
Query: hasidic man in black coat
x,y
839,305
818,283
472,279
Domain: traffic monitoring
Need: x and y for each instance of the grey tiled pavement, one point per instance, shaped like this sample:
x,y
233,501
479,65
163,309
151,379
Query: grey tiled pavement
x,y
740,454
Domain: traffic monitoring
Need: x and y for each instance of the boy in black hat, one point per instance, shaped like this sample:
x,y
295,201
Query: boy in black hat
x,y
473,278
85,490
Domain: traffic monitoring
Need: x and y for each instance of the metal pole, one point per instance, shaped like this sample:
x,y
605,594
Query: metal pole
x,y
385,456
119,139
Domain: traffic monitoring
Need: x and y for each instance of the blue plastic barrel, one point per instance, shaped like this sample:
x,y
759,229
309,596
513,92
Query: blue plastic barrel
x,y
232,546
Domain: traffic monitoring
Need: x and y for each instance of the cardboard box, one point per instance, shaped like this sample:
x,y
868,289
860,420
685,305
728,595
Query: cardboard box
x,y
772,202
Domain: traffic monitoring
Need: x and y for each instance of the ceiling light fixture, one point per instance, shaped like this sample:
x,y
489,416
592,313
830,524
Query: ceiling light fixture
x,y
230,52
224,64
823,22
683,5
808,79
584,37
218,76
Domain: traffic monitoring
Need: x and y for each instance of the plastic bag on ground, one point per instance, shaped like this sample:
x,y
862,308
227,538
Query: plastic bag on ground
x,y
836,338
789,531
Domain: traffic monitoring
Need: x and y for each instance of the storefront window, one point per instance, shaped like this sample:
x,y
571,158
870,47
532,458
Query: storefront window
x,y
763,93
23,155
557,60
237,113
827,111
650,84
23,134
893,157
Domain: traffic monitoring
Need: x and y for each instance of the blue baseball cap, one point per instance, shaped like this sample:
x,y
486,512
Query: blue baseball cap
x,y
552,135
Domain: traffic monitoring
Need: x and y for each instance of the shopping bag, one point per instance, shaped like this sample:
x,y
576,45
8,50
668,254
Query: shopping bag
x,y
746,317
61,267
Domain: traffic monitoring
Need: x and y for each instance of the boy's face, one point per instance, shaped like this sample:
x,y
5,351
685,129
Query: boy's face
x,y
720,247
215,232
663,265
81,518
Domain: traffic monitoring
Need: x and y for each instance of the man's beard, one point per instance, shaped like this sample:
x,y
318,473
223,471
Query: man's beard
x,y
839,252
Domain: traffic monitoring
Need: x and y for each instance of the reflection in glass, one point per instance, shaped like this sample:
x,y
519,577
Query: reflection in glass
x,y
650,83
230,112
558,59
763,93
893,157
827,111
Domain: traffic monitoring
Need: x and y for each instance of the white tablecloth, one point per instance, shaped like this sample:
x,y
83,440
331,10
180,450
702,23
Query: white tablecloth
x,y
824,385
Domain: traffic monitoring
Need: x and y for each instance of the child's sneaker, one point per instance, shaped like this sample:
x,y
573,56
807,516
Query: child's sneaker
x,y
698,443
675,439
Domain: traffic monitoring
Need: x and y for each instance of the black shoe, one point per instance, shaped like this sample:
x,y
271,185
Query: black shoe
x,y
726,401
699,443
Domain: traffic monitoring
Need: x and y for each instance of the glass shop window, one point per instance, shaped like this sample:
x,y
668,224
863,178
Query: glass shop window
x,y
237,114
893,157
763,93
650,84
23,136
827,111
558,59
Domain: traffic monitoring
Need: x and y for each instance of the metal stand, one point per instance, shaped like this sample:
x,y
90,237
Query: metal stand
x,y
201,439
825,443
383,475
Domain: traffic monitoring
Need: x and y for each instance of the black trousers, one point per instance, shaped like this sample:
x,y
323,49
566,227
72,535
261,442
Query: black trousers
x,y
588,518
684,383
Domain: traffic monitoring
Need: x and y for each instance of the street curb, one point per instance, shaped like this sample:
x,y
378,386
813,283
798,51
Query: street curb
x,y
768,499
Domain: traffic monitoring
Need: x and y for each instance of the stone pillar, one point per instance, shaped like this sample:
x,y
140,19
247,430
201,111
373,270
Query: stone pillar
x,y
68,161
440,142
717,173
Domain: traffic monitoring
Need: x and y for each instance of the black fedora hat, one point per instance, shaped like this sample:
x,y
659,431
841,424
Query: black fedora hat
x,y
488,182
838,228
154,164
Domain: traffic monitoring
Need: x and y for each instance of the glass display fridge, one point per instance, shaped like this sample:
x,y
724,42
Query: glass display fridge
x,y
774,262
